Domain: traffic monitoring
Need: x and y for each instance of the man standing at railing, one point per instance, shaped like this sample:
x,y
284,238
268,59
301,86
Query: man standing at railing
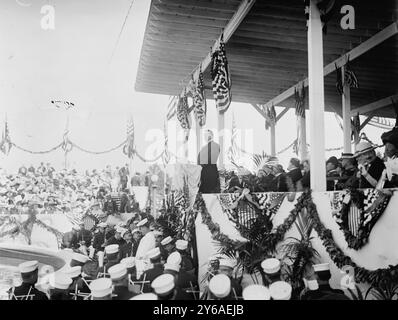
x,y
207,158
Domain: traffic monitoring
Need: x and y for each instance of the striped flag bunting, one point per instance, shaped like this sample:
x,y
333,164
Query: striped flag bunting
x,y
299,96
182,112
129,148
270,116
221,79
199,100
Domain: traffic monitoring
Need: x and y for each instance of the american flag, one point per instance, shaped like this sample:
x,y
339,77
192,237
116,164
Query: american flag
x,y
130,138
199,100
182,112
233,151
354,219
356,124
270,116
299,96
221,79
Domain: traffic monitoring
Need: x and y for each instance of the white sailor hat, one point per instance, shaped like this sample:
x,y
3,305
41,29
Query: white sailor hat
x,y
28,266
227,263
129,262
80,257
181,244
59,280
174,258
256,292
101,287
166,241
102,225
117,271
145,296
112,248
172,267
312,284
220,285
271,265
143,222
280,290
321,267
163,284
73,272
154,253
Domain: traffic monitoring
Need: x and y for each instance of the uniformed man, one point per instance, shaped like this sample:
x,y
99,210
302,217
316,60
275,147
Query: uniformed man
x,y
220,288
323,275
148,242
26,291
280,290
112,256
270,271
120,282
155,271
78,286
311,291
99,237
187,261
226,266
101,289
167,246
129,262
117,237
60,284
145,296
164,287
126,249
78,259
256,292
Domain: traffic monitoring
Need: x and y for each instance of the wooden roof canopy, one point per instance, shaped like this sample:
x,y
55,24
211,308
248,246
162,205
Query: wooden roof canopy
x,y
267,53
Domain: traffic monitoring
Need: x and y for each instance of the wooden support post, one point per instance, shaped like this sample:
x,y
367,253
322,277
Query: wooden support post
x,y
221,126
273,152
198,135
316,99
346,110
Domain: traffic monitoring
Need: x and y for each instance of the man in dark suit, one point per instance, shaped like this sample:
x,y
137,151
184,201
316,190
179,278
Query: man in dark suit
x,y
207,158
323,275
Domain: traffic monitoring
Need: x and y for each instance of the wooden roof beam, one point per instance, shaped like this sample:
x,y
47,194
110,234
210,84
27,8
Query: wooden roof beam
x,y
365,46
281,114
374,105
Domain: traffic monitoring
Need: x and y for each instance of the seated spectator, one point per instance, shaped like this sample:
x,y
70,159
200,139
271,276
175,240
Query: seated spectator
x,y
389,177
370,166
282,182
294,172
349,173
331,173
306,180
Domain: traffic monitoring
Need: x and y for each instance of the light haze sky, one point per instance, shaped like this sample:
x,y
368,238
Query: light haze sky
x,y
72,62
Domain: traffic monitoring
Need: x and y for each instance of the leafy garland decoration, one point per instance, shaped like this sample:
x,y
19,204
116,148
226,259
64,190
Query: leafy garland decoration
x,y
372,277
369,217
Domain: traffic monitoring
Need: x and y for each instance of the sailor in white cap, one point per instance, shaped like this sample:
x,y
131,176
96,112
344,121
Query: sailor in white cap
x,y
145,296
256,292
120,281
117,237
101,289
60,286
220,287
323,276
311,290
78,285
187,261
156,270
127,249
164,287
148,242
129,262
167,246
78,259
26,291
112,256
271,270
227,266
280,290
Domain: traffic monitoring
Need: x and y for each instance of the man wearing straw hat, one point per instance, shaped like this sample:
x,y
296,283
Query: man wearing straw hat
x,y
370,166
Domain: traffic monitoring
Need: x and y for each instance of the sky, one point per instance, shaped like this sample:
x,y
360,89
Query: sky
x,y
74,61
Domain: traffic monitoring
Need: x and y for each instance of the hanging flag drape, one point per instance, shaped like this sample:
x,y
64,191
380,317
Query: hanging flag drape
x,y
129,148
349,78
270,116
221,78
356,124
199,100
5,144
166,154
299,96
182,112
234,151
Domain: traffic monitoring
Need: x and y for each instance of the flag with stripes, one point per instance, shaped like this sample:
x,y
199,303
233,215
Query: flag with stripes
x,y
129,147
221,79
356,124
299,97
233,151
354,219
199,100
166,154
182,112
